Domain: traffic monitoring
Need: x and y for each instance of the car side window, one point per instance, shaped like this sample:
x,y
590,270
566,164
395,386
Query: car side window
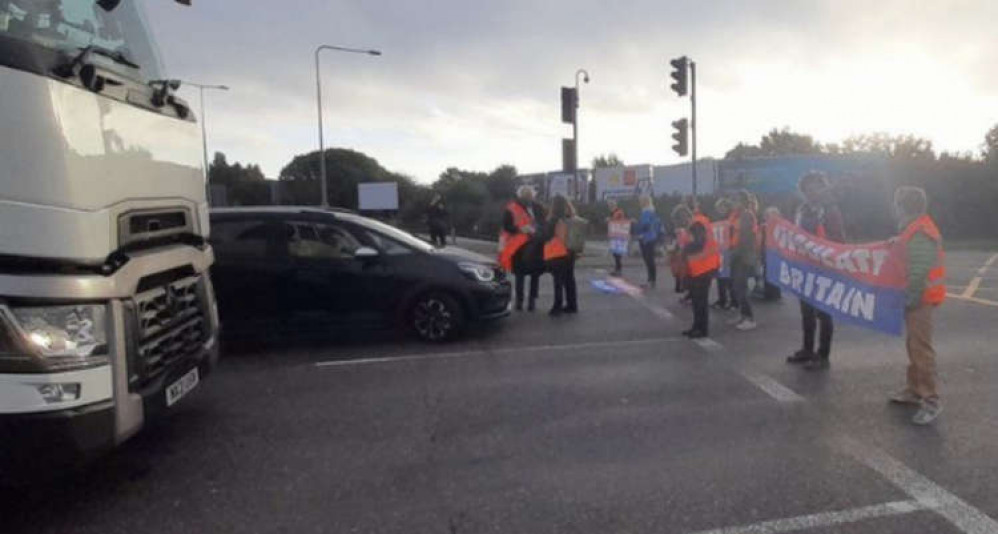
x,y
385,244
244,239
310,240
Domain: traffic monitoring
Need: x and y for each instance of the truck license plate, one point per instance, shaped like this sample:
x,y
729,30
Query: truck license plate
x,y
178,389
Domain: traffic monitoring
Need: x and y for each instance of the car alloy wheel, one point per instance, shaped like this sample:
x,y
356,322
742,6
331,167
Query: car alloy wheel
x,y
435,317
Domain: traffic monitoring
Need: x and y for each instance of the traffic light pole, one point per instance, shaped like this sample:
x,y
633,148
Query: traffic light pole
x,y
693,122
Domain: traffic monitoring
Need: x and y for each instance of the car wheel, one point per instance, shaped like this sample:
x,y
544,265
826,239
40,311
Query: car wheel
x,y
436,317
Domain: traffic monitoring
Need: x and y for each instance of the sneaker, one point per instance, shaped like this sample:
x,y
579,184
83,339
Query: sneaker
x,y
905,396
928,413
746,325
817,364
734,321
801,356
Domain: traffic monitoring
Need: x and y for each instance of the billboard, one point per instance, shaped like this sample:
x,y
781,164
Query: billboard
x,y
375,196
780,174
623,182
678,179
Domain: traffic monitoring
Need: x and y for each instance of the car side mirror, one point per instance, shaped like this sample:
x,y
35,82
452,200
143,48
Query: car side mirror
x,y
366,253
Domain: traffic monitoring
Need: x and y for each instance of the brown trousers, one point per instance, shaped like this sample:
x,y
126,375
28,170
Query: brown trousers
x,y
921,355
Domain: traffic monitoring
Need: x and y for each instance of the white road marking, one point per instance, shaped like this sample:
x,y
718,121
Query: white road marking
x,y
975,300
507,350
709,344
771,387
972,288
965,517
824,519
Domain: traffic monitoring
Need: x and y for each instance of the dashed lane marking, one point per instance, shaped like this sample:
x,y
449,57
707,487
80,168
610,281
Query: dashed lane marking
x,y
965,517
505,350
771,387
824,519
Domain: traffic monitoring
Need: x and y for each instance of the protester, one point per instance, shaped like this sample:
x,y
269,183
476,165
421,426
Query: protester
x,y
820,216
648,230
519,247
618,240
724,299
771,291
923,249
560,261
702,262
744,230
438,221
677,265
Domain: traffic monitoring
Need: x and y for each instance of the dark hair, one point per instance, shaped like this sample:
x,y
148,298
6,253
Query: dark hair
x,y
561,208
812,178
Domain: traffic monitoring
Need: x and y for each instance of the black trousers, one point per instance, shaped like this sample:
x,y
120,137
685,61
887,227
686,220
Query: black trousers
x,y
535,279
810,316
438,237
700,293
617,262
740,274
648,254
723,291
565,290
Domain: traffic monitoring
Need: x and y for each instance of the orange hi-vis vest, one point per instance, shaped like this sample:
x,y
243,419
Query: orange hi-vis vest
x,y
510,243
708,259
555,247
935,287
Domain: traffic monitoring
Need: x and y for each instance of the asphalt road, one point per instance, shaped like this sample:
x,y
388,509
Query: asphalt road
x,y
608,421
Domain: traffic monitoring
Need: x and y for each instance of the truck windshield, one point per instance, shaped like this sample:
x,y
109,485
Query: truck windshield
x,y
71,25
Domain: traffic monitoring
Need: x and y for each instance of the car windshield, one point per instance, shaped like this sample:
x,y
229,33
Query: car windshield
x,y
71,25
399,235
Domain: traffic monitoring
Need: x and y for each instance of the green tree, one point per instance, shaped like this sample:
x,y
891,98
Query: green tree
x,y
991,145
606,161
785,143
245,186
743,150
907,147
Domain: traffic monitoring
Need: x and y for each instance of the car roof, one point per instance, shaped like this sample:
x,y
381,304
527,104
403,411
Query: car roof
x,y
280,210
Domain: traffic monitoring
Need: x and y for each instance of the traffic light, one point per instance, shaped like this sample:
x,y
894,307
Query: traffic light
x,y
569,103
681,136
680,67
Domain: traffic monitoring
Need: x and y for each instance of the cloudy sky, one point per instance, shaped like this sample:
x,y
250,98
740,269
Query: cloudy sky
x,y
475,83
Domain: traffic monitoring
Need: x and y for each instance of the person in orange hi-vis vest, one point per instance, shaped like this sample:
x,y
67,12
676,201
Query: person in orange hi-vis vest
x,y
558,259
519,249
922,247
703,259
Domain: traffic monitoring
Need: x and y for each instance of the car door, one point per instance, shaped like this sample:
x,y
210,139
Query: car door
x,y
328,277
250,273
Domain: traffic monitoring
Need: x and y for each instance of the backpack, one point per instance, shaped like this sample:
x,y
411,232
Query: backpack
x,y
575,239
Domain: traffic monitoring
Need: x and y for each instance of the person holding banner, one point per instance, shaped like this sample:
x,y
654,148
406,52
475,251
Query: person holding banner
x,y
703,259
821,217
921,246
519,250
743,256
722,233
619,234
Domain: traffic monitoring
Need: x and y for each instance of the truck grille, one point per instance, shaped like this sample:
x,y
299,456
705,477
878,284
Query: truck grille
x,y
170,324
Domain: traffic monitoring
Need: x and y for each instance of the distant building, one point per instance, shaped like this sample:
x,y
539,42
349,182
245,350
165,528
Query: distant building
x,y
780,174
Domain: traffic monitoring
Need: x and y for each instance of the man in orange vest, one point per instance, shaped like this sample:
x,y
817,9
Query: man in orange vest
x,y
926,271
703,259
519,251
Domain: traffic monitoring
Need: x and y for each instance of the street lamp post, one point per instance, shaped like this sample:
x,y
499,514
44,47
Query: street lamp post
x,y
575,126
318,98
204,132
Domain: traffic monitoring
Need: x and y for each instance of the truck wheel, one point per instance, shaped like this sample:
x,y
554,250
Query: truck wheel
x,y
436,317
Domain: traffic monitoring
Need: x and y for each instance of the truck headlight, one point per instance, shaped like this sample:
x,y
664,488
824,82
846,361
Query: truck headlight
x,y
477,271
65,336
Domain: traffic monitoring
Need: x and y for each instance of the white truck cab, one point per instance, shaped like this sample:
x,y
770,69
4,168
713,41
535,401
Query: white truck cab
x,y
107,314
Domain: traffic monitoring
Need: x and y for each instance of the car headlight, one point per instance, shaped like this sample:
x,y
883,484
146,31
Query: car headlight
x,y
477,271
64,336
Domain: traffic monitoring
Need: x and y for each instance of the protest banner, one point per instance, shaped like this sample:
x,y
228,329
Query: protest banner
x,y
619,234
860,283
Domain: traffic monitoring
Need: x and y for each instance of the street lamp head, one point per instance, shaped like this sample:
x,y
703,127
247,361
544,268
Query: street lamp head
x,y
374,52
586,78
223,87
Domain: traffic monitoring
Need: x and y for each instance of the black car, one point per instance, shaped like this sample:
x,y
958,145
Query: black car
x,y
275,264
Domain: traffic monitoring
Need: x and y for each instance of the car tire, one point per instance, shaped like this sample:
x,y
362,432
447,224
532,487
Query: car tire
x,y
435,317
